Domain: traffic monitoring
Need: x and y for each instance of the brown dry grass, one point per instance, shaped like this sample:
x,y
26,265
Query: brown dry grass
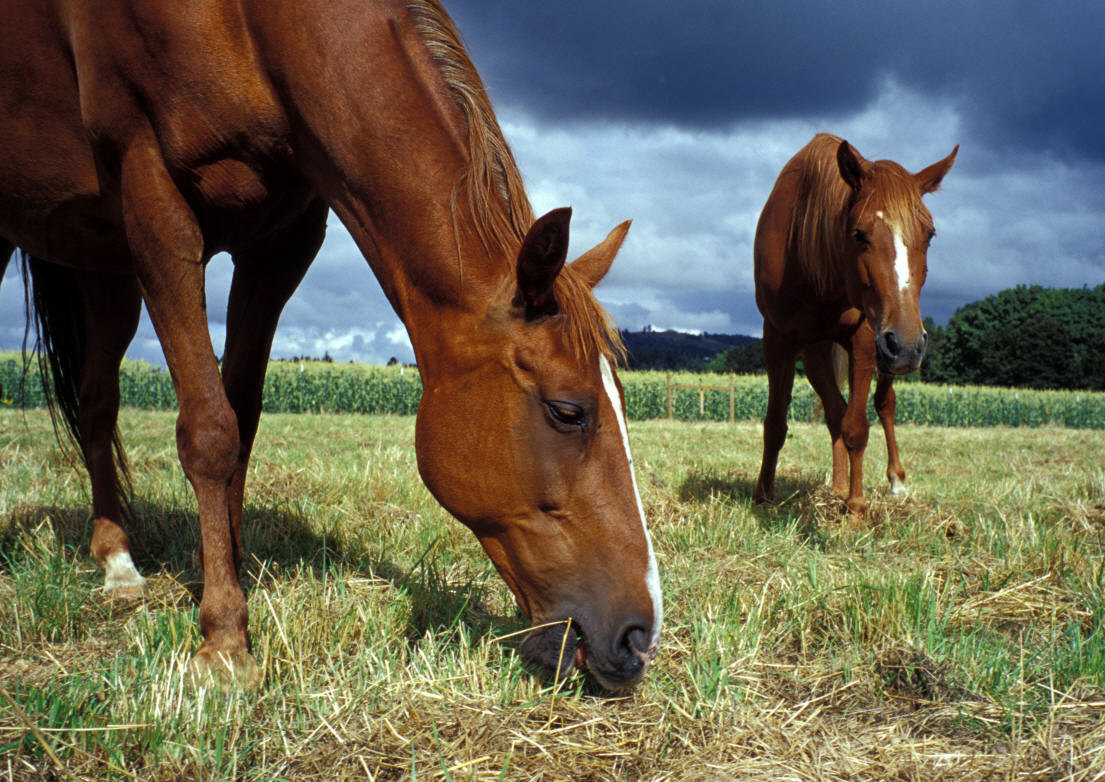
x,y
954,635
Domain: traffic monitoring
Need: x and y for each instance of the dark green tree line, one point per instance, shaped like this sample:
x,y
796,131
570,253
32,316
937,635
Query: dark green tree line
x,y
1028,336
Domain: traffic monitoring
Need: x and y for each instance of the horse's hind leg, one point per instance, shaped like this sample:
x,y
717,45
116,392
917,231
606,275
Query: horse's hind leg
x,y
884,406
112,305
779,356
264,279
821,372
6,250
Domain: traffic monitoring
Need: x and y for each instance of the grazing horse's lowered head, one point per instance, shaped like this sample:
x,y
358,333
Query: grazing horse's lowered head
x,y
527,446
889,231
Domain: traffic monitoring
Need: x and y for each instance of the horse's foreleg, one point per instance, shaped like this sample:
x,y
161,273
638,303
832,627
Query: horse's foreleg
x,y
780,357
264,279
112,304
820,370
168,251
884,406
856,427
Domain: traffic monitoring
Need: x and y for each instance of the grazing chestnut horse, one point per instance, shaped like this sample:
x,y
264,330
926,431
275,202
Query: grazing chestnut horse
x,y
840,261
141,138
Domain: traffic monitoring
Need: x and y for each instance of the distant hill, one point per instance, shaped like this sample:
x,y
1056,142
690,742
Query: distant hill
x,y
677,350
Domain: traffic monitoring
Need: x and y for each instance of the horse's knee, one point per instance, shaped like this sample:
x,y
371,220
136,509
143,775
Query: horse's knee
x,y
855,434
208,445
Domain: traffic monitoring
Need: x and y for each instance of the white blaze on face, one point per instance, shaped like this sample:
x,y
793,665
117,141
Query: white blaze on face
x,y
901,261
901,255
652,575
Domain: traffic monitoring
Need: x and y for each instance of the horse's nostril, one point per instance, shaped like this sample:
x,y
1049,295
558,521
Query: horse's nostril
x,y
634,641
893,346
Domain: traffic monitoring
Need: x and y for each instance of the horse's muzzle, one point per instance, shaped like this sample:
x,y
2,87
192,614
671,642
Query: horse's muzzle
x,y
897,356
616,664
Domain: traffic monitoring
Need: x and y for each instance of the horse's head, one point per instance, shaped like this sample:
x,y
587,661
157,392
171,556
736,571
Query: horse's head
x,y
889,229
524,440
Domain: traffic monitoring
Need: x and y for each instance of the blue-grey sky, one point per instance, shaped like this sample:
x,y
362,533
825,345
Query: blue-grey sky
x,y
680,116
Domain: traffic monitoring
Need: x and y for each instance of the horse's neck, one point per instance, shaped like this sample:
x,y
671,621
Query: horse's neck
x,y
382,140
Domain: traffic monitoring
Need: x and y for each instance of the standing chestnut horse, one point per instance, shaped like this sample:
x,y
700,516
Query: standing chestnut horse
x,y
840,261
141,138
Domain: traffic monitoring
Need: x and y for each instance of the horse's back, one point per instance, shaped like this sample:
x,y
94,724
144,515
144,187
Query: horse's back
x,y
789,291
774,270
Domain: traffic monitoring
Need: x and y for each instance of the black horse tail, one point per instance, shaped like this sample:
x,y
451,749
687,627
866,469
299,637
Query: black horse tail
x,y
55,309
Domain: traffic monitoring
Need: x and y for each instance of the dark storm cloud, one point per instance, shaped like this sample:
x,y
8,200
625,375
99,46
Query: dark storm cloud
x,y
680,116
1026,74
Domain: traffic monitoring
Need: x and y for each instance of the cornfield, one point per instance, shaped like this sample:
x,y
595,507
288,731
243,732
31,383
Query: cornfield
x,y
318,387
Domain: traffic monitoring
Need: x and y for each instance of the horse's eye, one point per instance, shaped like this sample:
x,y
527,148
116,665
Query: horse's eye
x,y
567,413
861,236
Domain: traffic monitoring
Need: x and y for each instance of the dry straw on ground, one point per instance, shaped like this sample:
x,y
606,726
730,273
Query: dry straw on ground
x,y
918,645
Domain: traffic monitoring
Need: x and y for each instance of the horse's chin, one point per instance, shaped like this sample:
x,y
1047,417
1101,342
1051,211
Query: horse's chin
x,y
897,368
557,649
900,371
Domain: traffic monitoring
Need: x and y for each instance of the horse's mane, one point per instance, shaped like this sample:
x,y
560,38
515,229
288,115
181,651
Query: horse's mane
x,y
496,195
819,218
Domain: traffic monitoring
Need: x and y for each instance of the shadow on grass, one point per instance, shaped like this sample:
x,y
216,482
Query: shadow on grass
x,y
447,604
441,604
706,486
278,541
801,500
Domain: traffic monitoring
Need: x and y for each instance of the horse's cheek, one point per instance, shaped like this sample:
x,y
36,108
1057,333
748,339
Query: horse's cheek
x,y
460,456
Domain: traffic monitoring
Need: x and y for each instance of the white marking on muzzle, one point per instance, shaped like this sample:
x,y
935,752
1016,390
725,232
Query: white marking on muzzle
x,y
652,574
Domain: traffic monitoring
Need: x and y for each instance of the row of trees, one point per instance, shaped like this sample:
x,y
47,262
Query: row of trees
x,y
1028,337
1031,337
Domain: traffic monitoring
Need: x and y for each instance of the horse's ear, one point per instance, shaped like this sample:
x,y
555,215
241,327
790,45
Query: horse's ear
x,y
930,179
851,169
540,259
593,265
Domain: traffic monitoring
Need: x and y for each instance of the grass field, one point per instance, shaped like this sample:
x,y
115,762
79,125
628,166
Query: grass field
x,y
959,634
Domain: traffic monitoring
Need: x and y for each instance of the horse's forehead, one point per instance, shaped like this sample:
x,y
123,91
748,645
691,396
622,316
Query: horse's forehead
x,y
905,218
552,355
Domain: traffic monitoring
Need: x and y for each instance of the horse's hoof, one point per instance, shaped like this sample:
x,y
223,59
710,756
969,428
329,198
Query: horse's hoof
x,y
127,591
898,487
857,509
224,669
121,577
